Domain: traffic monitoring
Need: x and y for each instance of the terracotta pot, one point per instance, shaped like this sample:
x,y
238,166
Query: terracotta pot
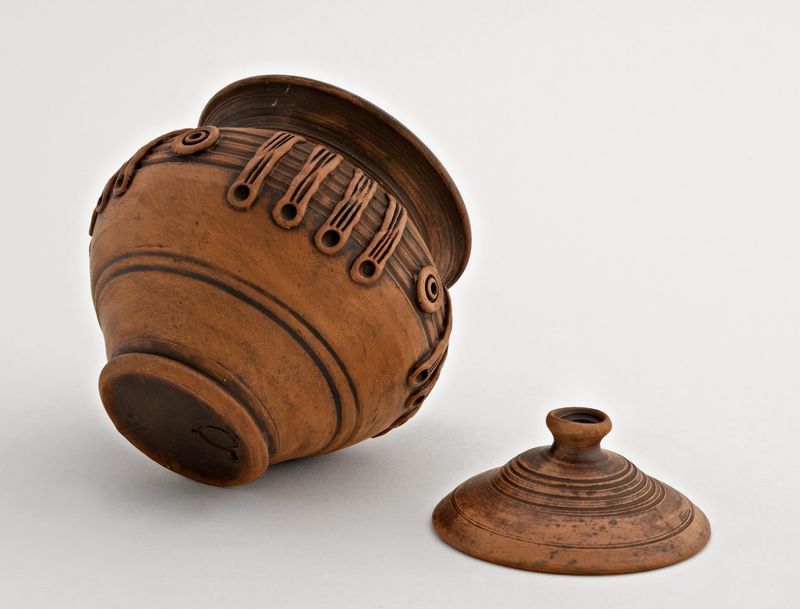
x,y
273,284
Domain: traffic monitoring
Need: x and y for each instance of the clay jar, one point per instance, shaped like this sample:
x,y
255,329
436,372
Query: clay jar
x,y
273,283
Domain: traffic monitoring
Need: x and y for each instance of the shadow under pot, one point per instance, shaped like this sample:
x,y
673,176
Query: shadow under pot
x,y
273,283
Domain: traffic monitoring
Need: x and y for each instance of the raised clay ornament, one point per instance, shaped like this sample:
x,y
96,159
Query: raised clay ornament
x,y
273,284
572,507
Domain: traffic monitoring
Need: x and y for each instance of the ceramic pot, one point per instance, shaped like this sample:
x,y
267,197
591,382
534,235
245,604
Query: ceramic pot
x,y
273,283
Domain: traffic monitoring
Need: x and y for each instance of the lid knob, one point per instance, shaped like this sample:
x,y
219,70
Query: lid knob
x,y
577,432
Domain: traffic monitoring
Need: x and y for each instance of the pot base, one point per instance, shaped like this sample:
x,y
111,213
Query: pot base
x,y
183,419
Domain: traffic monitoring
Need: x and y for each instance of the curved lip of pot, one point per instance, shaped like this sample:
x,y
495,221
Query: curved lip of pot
x,y
376,141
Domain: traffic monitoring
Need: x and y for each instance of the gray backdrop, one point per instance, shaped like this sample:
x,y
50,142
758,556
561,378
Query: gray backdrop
x,y
631,172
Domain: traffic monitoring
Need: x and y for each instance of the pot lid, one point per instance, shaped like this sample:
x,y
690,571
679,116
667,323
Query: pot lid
x,y
572,507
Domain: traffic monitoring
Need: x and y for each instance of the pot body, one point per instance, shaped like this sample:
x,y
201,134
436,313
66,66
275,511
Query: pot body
x,y
262,298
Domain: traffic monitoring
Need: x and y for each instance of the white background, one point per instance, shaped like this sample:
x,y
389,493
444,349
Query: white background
x,y
631,173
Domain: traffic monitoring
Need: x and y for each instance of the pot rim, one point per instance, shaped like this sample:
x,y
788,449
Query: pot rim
x,y
373,138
